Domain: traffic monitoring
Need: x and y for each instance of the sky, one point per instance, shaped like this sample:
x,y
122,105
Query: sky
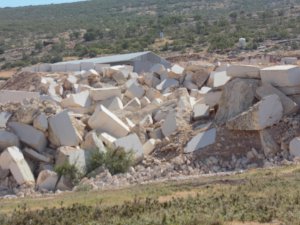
x,y
16,3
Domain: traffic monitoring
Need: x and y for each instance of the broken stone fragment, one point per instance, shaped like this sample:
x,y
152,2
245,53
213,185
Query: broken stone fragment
x,y
105,121
41,122
263,114
243,71
149,146
147,121
218,79
175,72
237,96
131,143
211,98
151,80
4,117
62,132
133,105
282,76
145,101
47,180
8,139
107,139
26,114
200,76
200,141
170,124
100,94
295,147
167,83
289,106
12,159
269,145
29,135
200,111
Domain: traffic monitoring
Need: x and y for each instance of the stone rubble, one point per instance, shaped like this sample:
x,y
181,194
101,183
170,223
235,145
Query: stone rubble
x,y
178,121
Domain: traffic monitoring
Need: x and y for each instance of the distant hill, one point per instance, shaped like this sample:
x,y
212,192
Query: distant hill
x,y
47,33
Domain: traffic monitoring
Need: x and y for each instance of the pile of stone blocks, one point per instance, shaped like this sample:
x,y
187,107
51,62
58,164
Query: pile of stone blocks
x,y
182,108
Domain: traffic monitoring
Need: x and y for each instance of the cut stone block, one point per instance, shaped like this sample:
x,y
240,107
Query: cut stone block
x,y
200,76
72,156
133,105
113,103
211,99
167,83
295,147
120,77
131,143
81,99
190,85
200,141
147,121
8,139
243,71
289,106
263,114
219,79
4,117
106,121
47,180
29,135
10,96
170,124
151,80
135,91
107,139
92,142
129,123
149,146
175,72
12,159
41,122
36,156
62,132
145,101
160,70
237,96
156,134
282,76
200,111
100,94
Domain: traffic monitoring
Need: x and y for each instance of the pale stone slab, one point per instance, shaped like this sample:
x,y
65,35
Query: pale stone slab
x,y
12,159
289,106
149,146
170,124
29,135
263,114
8,139
4,117
81,99
73,156
10,96
269,145
219,79
282,76
211,98
106,121
135,91
92,142
133,104
47,180
200,111
113,103
62,130
167,83
237,96
243,71
100,94
131,143
202,140
107,139
295,147
36,156
41,122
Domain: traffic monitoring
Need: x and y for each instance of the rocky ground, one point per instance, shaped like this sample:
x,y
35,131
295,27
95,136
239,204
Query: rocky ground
x,y
182,121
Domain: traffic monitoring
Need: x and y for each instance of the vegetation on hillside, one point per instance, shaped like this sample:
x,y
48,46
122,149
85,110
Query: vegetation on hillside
x,y
87,29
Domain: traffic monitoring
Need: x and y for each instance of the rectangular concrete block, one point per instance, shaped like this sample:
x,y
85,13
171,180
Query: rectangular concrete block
x,y
100,94
202,140
12,159
105,121
29,135
282,76
62,132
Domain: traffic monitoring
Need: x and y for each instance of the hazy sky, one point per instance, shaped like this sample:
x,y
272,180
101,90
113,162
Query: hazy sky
x,y
15,3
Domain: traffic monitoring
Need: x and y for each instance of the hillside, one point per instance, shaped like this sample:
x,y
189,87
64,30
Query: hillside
x,y
48,33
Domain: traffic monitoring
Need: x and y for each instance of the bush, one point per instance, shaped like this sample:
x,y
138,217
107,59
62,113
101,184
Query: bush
x,y
115,160
69,171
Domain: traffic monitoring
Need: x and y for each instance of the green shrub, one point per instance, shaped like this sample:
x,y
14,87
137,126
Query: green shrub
x,y
69,171
115,160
